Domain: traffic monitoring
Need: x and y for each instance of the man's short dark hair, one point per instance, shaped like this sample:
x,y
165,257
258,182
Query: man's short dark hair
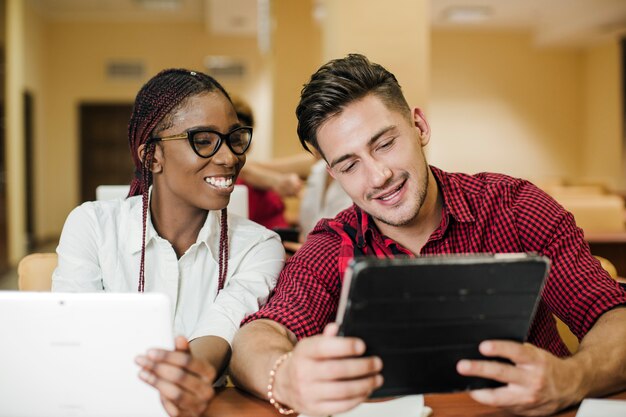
x,y
339,83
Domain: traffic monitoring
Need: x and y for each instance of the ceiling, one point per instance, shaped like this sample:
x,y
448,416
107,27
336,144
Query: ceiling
x,y
552,22
186,10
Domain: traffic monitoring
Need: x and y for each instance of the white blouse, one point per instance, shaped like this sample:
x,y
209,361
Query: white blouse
x,y
100,250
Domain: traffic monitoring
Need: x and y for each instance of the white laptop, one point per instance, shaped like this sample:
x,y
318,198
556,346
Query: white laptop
x,y
238,199
73,354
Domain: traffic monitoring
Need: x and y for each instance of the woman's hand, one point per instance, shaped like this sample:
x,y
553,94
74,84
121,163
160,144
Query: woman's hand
x,y
185,383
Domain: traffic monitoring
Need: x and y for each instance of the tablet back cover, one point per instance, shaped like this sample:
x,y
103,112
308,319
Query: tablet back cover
x,y
422,315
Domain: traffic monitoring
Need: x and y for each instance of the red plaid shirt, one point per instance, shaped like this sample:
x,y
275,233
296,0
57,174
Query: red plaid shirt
x,y
482,213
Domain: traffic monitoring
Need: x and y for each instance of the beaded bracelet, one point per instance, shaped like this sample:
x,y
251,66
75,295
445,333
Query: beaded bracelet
x,y
270,386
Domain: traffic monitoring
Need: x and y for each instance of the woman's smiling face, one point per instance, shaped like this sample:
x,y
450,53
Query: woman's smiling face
x,y
183,177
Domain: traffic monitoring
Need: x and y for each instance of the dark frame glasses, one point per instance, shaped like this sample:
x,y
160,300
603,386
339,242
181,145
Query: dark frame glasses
x,y
206,142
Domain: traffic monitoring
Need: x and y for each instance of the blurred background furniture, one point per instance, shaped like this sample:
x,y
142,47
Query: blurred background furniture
x,y
602,216
34,271
111,192
612,246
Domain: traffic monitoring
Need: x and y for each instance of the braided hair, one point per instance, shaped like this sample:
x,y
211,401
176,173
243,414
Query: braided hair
x,y
155,106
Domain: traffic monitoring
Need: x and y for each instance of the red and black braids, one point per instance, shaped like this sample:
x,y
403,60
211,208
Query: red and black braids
x,y
155,105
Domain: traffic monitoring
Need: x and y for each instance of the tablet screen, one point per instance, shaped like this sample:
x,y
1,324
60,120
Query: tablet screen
x,y
74,354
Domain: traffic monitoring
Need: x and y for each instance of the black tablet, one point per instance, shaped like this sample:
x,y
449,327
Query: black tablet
x,y
422,315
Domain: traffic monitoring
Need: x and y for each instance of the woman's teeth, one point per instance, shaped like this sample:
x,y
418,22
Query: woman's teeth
x,y
219,182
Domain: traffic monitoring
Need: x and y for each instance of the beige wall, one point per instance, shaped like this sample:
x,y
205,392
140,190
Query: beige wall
x,y
396,37
500,104
296,55
301,45
602,150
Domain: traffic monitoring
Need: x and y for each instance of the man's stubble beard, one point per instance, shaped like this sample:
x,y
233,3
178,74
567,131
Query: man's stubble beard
x,y
422,192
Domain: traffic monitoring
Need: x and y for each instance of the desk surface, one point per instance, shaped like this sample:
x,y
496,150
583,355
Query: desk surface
x,y
231,402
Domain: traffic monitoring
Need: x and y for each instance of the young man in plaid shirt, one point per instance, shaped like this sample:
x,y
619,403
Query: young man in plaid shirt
x,y
353,112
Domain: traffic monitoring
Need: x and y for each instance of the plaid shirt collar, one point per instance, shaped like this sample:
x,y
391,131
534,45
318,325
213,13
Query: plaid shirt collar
x,y
455,207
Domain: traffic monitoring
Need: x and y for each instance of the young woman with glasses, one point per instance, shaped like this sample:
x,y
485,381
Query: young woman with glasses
x,y
172,234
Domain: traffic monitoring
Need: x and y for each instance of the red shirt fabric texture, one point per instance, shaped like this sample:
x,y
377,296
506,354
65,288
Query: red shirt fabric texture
x,y
265,207
482,213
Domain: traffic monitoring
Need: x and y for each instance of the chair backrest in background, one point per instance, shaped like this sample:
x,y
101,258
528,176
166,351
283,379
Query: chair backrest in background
x,y
599,213
34,271
111,192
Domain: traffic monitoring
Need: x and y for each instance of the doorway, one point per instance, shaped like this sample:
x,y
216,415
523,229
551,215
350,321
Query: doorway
x,y
29,170
104,155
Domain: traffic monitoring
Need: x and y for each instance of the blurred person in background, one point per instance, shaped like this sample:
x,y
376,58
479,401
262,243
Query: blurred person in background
x,y
267,185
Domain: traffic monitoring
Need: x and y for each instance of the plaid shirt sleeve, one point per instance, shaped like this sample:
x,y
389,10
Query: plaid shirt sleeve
x,y
307,294
578,290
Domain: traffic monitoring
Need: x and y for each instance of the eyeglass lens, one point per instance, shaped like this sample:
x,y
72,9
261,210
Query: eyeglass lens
x,y
206,143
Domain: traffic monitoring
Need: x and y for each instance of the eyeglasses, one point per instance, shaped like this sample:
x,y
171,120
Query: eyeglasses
x,y
205,143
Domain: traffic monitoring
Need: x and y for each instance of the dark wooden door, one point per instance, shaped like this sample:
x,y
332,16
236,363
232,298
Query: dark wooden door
x,y
105,155
29,170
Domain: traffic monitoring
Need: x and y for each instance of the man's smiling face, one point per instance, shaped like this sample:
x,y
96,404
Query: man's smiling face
x,y
376,155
